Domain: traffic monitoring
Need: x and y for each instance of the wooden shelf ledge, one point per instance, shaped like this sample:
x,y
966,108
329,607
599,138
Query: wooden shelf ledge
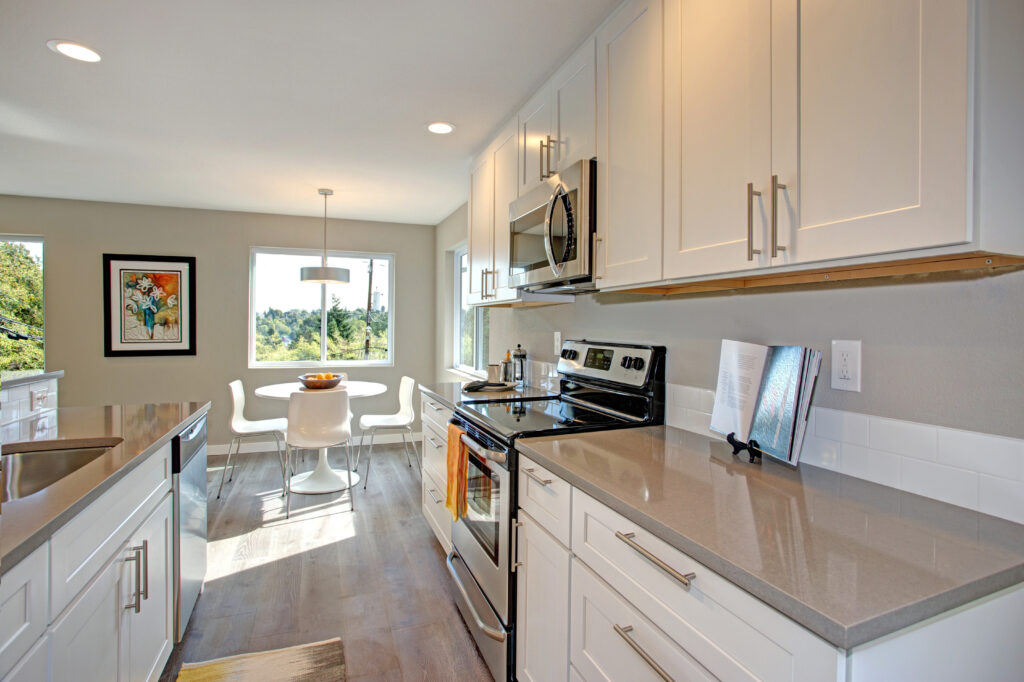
x,y
975,260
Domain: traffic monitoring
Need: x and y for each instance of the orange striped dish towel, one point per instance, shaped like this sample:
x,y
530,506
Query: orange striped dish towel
x,y
458,470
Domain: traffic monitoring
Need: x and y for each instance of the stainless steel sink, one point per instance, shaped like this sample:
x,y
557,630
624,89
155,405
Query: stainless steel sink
x,y
30,471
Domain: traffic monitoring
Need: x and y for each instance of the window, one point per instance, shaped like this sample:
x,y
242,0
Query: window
x,y
21,306
296,323
472,324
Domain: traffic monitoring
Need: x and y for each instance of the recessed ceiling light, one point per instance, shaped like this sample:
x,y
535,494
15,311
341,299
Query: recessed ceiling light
x,y
440,128
73,50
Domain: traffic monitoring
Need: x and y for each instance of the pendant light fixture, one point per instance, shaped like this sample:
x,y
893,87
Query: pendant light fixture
x,y
325,274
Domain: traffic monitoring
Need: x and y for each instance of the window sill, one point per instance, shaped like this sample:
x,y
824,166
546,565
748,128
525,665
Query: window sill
x,y
322,365
467,374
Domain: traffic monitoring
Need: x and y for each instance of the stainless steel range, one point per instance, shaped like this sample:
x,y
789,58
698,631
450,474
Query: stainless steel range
x,y
602,386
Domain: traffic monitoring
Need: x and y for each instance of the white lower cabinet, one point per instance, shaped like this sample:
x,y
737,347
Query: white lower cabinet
x,y
438,517
613,641
542,604
86,638
35,666
23,596
150,631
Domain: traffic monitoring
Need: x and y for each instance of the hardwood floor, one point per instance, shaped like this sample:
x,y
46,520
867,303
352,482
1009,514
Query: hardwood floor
x,y
374,577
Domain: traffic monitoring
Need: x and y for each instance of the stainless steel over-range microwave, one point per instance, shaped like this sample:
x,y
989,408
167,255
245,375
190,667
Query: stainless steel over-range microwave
x,y
551,230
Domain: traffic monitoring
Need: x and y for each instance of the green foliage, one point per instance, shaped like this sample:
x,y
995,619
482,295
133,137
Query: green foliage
x,y
294,335
21,298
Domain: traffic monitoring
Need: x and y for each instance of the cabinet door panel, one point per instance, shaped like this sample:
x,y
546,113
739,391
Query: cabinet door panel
x,y
717,134
534,128
505,192
629,144
481,228
870,126
542,588
35,665
573,105
151,630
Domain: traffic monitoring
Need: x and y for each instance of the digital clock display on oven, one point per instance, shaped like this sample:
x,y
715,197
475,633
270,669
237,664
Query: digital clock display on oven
x,y
598,358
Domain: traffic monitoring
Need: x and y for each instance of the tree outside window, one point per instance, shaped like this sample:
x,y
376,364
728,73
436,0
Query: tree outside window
x,y
21,306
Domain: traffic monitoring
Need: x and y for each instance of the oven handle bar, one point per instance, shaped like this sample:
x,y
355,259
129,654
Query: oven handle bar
x,y
497,634
482,452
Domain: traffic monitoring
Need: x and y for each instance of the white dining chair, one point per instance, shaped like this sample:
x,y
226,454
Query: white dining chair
x,y
251,428
320,419
401,421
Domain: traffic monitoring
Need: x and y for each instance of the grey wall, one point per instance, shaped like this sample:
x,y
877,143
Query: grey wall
x,y
76,235
947,352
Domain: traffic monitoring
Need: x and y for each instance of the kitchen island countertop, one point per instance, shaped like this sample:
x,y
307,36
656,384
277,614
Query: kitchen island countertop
x,y
848,559
450,393
143,428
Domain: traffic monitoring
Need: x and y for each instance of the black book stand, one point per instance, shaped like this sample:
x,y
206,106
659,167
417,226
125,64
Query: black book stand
x,y
738,446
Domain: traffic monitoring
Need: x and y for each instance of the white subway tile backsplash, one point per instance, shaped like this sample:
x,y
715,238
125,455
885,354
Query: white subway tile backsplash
x,y
940,482
707,401
902,438
1003,457
846,427
871,465
820,452
1001,497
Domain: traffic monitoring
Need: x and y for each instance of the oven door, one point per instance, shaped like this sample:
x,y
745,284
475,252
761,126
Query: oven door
x,y
481,533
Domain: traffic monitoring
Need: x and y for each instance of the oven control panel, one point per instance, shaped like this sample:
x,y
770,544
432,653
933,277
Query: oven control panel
x,y
622,364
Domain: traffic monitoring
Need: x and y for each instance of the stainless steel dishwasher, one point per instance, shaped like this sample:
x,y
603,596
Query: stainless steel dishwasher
x,y
188,466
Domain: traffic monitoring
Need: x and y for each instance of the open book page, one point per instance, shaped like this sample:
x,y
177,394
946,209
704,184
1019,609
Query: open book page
x,y
775,416
739,379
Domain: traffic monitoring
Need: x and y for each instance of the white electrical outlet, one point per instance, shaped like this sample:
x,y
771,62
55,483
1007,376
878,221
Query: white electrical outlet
x,y
846,365
558,343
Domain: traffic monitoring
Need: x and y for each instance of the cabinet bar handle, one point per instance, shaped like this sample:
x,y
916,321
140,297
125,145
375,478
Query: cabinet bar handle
x,y
540,160
549,145
751,193
434,406
433,496
776,186
684,578
624,634
542,481
136,558
433,442
145,570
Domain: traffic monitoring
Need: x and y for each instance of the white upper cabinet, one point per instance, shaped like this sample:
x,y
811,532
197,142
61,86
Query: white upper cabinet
x,y
717,135
573,107
870,126
534,140
481,227
505,192
629,145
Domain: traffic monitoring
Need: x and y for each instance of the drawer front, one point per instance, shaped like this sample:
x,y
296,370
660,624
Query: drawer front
x,y
731,633
612,641
435,451
80,549
438,517
23,614
546,498
35,666
434,411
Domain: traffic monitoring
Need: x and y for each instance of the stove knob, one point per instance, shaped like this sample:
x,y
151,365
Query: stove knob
x,y
573,354
565,353
638,363
627,362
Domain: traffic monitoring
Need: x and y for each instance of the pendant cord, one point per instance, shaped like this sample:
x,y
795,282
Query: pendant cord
x,y
325,232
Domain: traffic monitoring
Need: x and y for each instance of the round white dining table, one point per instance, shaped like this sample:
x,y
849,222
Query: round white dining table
x,y
322,479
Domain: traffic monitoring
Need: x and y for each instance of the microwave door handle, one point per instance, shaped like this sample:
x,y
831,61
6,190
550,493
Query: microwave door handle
x,y
555,266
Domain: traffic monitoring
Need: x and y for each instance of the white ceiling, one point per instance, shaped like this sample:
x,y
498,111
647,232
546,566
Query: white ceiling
x,y
252,104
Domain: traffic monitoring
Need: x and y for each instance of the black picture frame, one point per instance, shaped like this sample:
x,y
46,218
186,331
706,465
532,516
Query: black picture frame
x,y
121,341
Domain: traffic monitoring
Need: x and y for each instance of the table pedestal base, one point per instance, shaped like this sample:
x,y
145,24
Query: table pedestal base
x,y
323,479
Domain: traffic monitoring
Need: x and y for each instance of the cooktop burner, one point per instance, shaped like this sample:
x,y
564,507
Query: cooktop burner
x,y
524,417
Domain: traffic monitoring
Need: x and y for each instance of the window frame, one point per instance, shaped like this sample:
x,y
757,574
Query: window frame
x,y
41,240
478,312
323,362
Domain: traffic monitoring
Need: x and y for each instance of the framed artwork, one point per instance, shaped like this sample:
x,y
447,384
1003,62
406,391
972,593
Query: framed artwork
x,y
149,305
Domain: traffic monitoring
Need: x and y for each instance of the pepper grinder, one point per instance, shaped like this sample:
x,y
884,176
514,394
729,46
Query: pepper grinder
x,y
519,366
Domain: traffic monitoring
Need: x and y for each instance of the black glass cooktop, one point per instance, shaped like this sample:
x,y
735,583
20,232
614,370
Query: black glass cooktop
x,y
532,417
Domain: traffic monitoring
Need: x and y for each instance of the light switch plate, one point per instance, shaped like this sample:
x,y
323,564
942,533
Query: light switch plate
x,y
846,365
558,343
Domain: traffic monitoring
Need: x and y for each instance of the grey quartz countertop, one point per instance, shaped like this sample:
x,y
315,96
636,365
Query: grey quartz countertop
x,y
138,431
450,393
31,378
848,559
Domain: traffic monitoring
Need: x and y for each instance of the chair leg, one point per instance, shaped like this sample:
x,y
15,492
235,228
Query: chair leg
x,y
284,469
288,497
351,490
415,450
369,457
405,446
224,471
